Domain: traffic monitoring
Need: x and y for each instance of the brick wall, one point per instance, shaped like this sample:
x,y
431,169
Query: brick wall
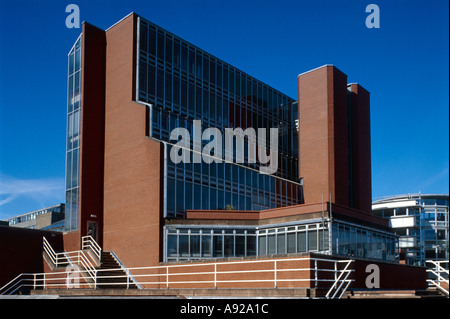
x,y
292,272
323,135
132,175
21,251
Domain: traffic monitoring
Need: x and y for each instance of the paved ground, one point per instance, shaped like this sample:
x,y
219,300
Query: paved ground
x,y
83,297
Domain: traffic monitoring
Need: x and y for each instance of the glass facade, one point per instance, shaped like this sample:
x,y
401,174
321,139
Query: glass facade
x,y
355,241
422,222
312,237
183,83
73,136
219,241
193,243
224,185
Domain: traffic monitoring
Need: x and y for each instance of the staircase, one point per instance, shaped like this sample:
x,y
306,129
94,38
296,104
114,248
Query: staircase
x,y
110,274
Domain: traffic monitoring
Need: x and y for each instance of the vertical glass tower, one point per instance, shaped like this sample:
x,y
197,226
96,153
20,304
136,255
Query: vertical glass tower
x,y
73,136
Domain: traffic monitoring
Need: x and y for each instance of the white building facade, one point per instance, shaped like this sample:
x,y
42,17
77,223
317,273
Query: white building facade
x,y
421,221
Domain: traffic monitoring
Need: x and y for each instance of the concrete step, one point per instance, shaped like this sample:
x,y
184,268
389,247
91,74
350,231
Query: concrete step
x,y
112,279
391,294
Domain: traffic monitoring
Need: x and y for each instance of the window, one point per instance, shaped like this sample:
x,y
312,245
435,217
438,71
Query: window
x,y
152,41
262,245
172,246
349,240
160,45
168,87
77,59
195,243
291,248
301,242
168,50
251,244
218,245
281,243
323,240
160,84
312,240
170,196
229,244
188,196
240,243
271,243
206,243
183,245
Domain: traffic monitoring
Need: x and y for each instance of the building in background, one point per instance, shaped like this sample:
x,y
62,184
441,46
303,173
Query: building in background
x,y
421,222
46,218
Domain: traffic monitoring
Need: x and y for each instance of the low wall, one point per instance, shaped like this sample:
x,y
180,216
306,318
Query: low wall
x,y
292,272
21,251
391,275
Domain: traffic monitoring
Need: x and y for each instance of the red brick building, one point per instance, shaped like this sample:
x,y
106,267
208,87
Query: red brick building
x,y
131,85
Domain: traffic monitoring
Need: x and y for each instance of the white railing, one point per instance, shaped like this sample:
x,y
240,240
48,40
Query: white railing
x,y
161,275
127,271
87,242
55,280
267,273
77,257
22,281
57,259
440,273
341,282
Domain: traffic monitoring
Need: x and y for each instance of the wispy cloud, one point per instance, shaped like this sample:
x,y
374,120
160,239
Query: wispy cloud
x,y
39,190
432,180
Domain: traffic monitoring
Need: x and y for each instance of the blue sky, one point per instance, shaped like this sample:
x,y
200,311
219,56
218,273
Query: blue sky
x,y
404,64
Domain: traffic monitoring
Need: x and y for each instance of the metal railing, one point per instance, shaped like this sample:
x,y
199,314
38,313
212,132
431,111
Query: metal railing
x,y
74,258
342,282
267,273
57,260
23,281
440,274
87,242
127,271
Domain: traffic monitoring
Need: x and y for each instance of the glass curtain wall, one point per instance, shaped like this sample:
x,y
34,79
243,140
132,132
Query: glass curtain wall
x,y
195,242
294,239
434,234
73,136
191,243
218,186
427,236
184,83
353,241
206,243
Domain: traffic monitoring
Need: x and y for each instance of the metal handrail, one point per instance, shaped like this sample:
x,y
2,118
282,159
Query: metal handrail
x,y
341,282
60,259
87,242
126,270
439,272
50,252
77,257
8,289
163,274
